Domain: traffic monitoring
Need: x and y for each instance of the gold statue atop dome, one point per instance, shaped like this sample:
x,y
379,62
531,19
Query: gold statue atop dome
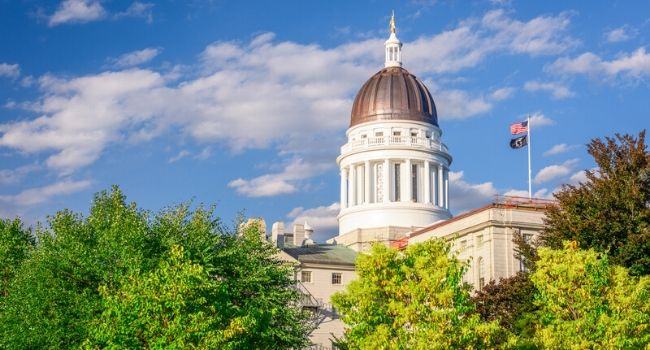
x,y
393,28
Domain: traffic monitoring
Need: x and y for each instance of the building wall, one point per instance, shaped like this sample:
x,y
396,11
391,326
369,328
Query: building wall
x,y
321,288
486,235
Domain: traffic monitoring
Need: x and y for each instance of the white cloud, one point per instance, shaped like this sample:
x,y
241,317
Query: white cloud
x,y
557,90
138,9
465,196
495,33
182,154
205,153
558,149
77,11
13,176
136,57
542,193
322,219
80,116
275,184
619,34
258,94
502,93
458,104
538,120
631,65
38,195
578,177
554,171
9,70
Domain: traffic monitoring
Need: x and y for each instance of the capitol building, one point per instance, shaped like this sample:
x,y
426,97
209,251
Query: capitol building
x,y
394,190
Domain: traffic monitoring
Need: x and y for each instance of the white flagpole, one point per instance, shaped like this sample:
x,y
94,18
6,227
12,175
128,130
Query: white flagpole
x,y
530,189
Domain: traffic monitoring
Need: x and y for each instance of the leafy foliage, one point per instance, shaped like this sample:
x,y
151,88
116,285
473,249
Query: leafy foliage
x,y
610,211
414,299
124,278
586,303
509,301
15,246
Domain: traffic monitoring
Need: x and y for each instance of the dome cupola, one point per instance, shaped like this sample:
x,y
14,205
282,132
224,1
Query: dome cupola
x,y
393,94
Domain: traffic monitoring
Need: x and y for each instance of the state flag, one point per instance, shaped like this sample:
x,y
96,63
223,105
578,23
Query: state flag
x,y
518,128
519,142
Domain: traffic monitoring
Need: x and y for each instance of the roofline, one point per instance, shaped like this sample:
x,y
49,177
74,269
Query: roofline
x,y
500,202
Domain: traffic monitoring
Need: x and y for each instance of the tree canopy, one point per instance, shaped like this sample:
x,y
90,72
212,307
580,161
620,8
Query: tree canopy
x,y
412,299
610,211
15,245
126,278
586,303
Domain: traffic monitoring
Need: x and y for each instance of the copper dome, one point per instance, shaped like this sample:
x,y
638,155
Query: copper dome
x,y
393,94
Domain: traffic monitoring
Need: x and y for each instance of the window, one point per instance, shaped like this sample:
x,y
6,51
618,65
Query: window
x,y
305,276
481,273
379,134
336,278
479,241
463,245
397,133
414,182
522,262
397,183
363,136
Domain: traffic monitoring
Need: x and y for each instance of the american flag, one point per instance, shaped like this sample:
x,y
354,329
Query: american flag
x,y
518,128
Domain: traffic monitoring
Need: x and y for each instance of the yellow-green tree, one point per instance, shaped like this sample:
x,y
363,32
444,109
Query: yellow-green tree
x,y
587,303
412,299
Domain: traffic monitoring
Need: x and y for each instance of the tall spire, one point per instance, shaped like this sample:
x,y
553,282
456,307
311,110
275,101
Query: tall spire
x,y
393,46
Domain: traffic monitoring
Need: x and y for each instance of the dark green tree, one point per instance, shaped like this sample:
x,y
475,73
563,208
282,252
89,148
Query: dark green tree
x,y
610,211
114,279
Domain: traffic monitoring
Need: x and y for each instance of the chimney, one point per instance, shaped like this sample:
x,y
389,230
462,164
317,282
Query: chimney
x,y
253,222
298,234
309,232
277,234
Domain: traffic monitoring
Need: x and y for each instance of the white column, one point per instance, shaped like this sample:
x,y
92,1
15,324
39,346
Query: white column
x,y
446,188
427,182
344,188
366,183
441,186
359,194
386,181
353,186
409,182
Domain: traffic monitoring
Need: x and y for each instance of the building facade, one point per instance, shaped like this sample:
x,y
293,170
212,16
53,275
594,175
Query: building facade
x,y
394,172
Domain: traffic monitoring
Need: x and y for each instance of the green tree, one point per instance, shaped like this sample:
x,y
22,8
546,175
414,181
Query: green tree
x,y
68,290
171,307
610,211
15,245
586,303
413,299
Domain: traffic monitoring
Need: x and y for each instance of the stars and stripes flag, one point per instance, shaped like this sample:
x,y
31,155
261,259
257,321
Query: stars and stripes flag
x,y
519,128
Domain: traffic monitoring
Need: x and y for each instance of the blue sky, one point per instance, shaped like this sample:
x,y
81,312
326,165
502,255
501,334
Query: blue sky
x,y
245,104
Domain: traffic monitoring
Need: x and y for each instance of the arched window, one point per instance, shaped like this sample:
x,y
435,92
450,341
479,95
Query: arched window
x,y
481,273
